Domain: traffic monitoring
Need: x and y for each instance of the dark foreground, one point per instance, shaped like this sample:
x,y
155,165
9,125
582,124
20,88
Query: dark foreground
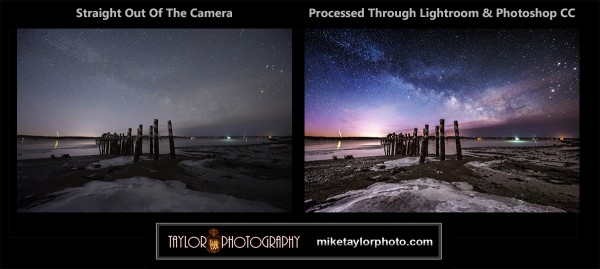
x,y
536,179
253,177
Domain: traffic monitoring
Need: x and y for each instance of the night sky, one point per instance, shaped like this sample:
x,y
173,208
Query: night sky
x,y
84,82
495,82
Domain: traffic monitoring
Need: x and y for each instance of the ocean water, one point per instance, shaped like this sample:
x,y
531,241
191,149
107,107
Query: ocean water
x,y
326,149
31,148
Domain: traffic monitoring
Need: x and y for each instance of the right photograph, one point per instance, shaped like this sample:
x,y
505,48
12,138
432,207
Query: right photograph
x,y
441,120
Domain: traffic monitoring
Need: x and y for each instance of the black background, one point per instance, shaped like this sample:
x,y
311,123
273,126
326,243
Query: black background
x,y
469,240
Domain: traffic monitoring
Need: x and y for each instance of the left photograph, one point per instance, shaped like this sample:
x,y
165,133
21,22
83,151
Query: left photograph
x,y
154,120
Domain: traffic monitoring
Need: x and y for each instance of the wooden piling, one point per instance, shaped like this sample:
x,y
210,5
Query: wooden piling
x,y
426,137
386,144
399,144
156,139
107,144
101,144
129,142
415,143
457,137
437,140
407,152
151,138
406,144
391,148
116,142
390,144
423,148
393,144
442,141
98,143
171,142
411,147
138,145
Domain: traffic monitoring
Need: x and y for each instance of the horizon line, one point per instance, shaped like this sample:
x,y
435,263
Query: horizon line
x,y
348,137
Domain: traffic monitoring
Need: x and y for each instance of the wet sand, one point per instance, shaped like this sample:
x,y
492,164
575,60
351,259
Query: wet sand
x,y
546,176
258,172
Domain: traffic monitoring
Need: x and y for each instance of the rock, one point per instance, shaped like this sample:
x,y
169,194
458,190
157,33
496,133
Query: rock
x,y
112,169
52,156
66,156
398,170
334,157
463,186
382,167
472,194
348,157
97,166
365,169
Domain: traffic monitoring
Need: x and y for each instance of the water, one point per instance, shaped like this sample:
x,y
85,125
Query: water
x,y
326,149
31,148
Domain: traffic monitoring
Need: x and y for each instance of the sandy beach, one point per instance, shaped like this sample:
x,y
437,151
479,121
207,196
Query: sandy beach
x,y
490,179
234,178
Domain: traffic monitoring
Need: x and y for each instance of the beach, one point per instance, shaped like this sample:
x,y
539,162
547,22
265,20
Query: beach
x,y
488,179
232,178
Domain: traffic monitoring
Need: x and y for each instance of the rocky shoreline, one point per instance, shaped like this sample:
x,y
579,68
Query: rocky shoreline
x,y
256,172
544,176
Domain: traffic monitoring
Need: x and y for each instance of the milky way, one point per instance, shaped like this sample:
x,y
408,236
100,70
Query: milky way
x,y
495,82
84,82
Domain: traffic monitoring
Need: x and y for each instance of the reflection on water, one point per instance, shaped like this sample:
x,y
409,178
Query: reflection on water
x,y
325,149
34,148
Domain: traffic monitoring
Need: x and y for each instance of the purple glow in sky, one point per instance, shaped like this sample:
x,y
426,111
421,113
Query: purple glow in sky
x,y
495,82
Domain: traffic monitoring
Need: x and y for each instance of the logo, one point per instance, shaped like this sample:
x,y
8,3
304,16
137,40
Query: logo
x,y
214,241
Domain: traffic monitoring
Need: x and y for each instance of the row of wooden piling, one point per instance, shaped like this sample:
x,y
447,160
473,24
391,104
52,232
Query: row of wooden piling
x,y
120,144
115,143
413,145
